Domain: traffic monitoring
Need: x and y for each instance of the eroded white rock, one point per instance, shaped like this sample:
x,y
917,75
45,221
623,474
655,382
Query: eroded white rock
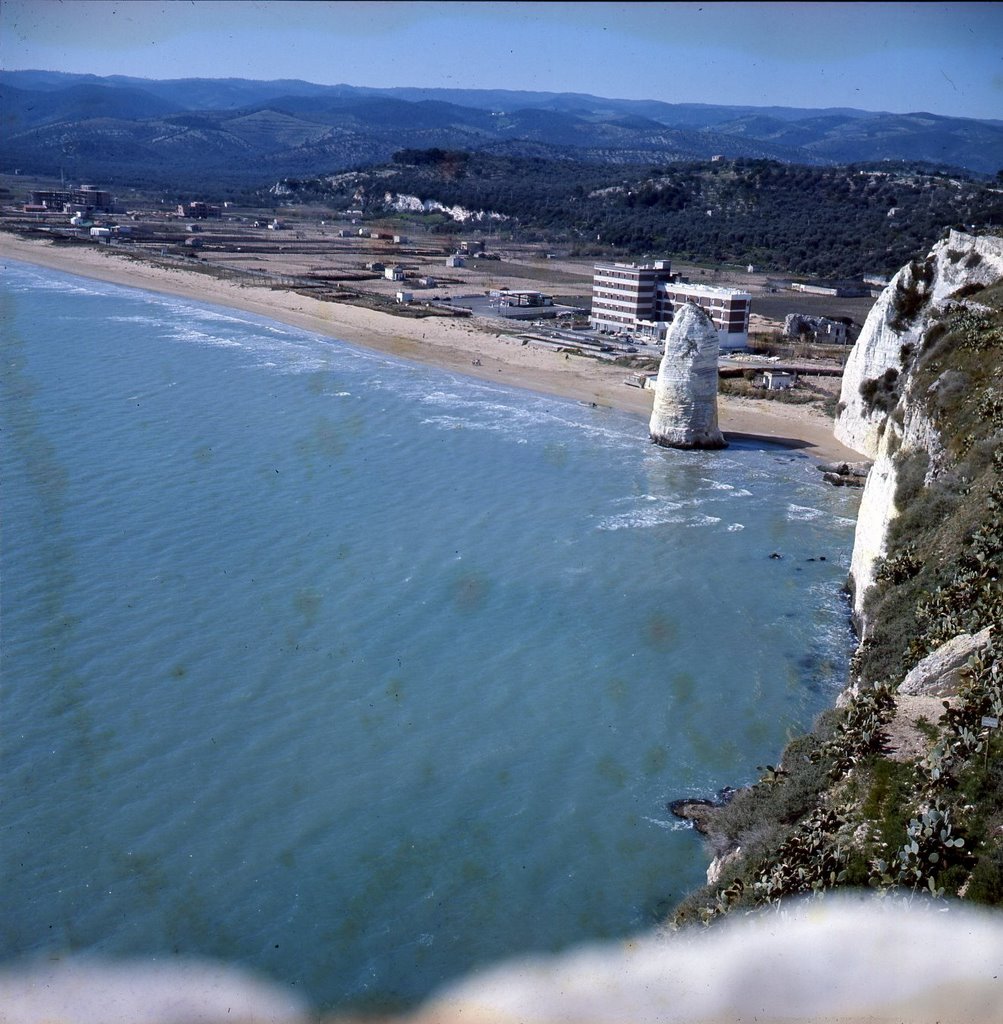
x,y
941,672
684,413
880,416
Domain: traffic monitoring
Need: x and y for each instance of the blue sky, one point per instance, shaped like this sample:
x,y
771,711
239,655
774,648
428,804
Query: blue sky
x,y
946,58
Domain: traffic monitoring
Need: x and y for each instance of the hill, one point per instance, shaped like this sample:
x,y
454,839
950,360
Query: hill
x,y
834,222
118,129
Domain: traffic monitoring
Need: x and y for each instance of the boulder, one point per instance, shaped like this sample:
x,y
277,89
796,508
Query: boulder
x,y
940,674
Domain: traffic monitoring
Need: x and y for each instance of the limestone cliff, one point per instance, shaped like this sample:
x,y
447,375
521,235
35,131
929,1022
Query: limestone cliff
x,y
684,414
880,414
899,788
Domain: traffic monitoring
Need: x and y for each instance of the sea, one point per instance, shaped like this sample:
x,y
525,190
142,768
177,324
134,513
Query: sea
x,y
363,675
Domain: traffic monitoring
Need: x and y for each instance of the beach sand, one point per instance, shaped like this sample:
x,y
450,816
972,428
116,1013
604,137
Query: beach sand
x,y
451,344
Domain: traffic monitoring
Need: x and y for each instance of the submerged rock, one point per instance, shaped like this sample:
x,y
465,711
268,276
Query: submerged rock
x,y
700,810
695,810
684,414
843,479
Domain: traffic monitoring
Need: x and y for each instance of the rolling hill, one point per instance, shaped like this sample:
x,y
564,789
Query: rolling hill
x,y
244,132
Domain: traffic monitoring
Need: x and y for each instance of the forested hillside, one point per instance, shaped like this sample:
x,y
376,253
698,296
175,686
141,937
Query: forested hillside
x,y
837,222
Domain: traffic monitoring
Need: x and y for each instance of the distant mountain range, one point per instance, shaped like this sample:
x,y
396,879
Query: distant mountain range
x,y
244,132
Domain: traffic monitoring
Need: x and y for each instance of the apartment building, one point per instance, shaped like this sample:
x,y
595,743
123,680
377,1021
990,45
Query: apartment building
x,y
641,299
86,196
624,294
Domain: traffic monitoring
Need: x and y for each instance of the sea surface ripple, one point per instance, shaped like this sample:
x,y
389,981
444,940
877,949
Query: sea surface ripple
x,y
362,674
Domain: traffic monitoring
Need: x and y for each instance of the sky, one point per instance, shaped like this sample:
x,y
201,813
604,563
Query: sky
x,y
944,58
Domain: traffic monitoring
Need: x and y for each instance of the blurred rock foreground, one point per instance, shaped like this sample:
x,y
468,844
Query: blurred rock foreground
x,y
836,961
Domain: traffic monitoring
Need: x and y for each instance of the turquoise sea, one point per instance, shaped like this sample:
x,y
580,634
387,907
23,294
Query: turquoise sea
x,y
361,674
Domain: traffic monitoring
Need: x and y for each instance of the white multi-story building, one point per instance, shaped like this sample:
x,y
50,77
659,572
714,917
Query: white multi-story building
x,y
641,298
624,294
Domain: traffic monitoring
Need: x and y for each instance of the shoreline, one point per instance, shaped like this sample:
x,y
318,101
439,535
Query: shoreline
x,y
449,344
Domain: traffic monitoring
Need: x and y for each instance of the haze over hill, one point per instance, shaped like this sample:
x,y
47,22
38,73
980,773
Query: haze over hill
x,y
247,131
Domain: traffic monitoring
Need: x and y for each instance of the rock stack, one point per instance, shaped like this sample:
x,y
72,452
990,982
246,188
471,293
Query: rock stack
x,y
685,408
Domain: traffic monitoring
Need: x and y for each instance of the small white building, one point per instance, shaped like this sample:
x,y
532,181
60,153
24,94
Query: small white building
x,y
455,261
777,380
404,298
394,273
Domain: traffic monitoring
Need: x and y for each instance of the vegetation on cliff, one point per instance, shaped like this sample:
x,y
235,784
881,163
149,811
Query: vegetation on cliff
x,y
851,806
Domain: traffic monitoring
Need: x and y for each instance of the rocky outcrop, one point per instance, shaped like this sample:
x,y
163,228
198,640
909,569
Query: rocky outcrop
x,y
899,318
893,789
837,960
721,863
684,414
879,415
845,474
941,673
401,203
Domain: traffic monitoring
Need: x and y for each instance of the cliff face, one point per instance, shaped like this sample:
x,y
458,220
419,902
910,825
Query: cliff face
x,y
900,787
881,415
684,413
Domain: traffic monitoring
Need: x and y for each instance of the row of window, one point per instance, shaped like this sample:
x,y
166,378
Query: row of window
x,y
613,304
623,275
637,300
608,318
706,300
666,308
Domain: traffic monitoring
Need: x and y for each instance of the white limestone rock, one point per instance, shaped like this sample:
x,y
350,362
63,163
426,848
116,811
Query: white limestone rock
x,y
684,414
941,672
876,512
900,317
897,423
717,866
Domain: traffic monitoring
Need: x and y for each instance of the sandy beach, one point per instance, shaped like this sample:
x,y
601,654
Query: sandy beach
x,y
451,344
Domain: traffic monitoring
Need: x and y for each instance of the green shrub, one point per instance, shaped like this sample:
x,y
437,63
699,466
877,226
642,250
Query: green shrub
x,y
910,293
888,798
881,393
986,884
911,467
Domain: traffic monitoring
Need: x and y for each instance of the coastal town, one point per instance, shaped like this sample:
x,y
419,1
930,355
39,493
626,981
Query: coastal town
x,y
472,302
